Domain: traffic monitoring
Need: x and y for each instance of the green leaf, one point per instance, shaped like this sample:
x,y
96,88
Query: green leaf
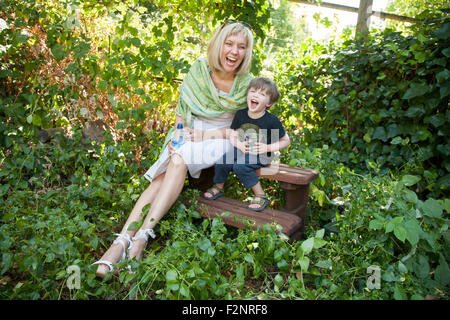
x,y
442,273
136,42
375,224
437,120
444,149
397,140
389,227
422,38
410,180
446,52
443,75
184,290
380,133
443,32
415,111
283,265
432,208
225,214
3,189
6,260
325,264
318,243
410,196
308,245
421,267
135,225
133,31
445,89
446,205
413,231
204,244
58,52
102,85
319,234
399,294
249,258
332,103
278,280
393,130
37,120
304,263
171,275
81,50
400,232
416,90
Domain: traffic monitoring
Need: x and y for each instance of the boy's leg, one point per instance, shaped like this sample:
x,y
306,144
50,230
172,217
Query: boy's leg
x,y
257,189
221,172
259,193
246,174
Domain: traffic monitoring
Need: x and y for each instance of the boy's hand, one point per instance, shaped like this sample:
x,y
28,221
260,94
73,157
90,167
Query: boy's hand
x,y
244,146
260,147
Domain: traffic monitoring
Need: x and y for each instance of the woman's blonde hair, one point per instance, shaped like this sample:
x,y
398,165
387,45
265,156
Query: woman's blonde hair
x,y
215,46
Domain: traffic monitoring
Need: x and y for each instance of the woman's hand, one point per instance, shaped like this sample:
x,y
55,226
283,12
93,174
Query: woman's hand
x,y
171,148
193,135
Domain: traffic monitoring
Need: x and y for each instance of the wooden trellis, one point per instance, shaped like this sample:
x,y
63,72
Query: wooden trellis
x,y
364,12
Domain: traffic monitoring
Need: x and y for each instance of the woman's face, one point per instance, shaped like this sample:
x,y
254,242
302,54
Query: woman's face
x,y
233,52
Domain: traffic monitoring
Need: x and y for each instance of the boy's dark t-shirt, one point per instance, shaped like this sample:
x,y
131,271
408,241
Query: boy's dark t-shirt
x,y
267,129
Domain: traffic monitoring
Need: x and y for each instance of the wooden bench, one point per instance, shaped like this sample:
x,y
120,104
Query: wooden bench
x,y
294,180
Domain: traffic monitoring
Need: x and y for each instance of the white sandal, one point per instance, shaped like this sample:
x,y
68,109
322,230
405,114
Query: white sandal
x,y
143,234
119,239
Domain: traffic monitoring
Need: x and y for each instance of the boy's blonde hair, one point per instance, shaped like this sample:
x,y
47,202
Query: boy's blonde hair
x,y
266,84
215,46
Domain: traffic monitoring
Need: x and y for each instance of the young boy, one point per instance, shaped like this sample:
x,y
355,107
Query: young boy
x,y
255,135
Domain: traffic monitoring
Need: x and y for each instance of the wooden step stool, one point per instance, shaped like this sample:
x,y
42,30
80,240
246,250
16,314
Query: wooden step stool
x,y
294,180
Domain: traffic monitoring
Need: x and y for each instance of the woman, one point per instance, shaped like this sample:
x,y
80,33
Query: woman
x,y
212,91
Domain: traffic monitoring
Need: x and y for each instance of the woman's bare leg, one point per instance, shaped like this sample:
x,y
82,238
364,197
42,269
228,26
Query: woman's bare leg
x,y
168,193
114,253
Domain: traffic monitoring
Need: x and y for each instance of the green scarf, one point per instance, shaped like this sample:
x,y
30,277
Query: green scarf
x,y
200,97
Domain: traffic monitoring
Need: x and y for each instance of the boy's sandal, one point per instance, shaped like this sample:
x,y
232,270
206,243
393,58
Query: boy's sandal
x,y
215,195
260,200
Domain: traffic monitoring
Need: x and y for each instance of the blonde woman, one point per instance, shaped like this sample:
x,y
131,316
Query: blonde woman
x,y
212,91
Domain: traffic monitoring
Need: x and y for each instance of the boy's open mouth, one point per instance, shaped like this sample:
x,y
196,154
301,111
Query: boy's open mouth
x,y
254,103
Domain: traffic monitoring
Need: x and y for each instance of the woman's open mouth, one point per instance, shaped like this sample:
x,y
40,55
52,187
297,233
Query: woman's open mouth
x,y
230,61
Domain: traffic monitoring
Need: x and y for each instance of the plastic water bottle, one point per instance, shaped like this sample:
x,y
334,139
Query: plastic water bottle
x,y
178,137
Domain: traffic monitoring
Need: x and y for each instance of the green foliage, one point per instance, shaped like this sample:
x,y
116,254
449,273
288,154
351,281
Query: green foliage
x,y
376,220
287,29
70,61
379,105
412,8
384,100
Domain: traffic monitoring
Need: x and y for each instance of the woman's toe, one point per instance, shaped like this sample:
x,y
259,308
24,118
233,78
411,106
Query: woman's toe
x,y
102,270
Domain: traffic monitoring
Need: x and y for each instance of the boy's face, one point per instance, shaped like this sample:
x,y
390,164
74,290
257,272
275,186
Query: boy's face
x,y
257,100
